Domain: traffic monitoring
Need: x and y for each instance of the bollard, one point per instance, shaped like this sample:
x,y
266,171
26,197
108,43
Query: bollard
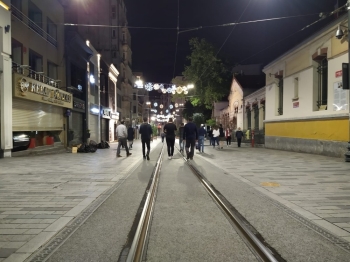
x,y
347,154
252,138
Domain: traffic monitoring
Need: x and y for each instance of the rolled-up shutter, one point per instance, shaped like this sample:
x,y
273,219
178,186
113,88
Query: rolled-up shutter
x,y
94,127
104,129
34,116
77,126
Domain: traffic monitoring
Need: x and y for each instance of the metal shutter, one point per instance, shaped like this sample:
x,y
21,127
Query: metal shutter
x,y
77,127
104,129
94,128
34,116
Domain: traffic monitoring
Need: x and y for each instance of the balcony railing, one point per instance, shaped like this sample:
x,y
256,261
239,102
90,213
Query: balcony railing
x,y
39,76
32,25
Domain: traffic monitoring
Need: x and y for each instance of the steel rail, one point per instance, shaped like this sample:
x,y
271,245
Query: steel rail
x,y
260,250
137,248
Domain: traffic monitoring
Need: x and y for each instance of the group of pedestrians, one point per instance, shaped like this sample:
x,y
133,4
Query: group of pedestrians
x,y
189,137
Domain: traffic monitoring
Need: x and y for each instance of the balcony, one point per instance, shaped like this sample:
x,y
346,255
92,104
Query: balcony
x,y
32,25
39,76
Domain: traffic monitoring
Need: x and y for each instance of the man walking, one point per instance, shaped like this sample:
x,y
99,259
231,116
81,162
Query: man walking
x,y
239,135
131,135
201,135
146,136
169,130
181,139
122,136
191,137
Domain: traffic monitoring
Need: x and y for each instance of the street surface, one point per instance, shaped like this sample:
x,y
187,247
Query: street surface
x,y
277,192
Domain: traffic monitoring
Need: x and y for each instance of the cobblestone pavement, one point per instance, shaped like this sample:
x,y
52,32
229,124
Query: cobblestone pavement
x,y
316,187
39,195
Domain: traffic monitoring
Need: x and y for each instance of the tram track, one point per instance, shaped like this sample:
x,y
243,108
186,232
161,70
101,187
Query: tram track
x,y
255,242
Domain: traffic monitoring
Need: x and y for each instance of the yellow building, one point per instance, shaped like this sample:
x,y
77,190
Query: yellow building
x,y
306,108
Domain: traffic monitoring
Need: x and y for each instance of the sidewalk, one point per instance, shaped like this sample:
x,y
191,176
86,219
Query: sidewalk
x,y
39,195
313,186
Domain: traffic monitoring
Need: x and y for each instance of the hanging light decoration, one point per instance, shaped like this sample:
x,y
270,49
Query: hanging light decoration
x,y
155,104
164,88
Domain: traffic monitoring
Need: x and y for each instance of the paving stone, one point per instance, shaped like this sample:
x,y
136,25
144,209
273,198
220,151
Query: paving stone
x,y
6,252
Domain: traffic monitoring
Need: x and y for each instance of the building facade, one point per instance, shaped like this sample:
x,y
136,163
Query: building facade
x,y
307,109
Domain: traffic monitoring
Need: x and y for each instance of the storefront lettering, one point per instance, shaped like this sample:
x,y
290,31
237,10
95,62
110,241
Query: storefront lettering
x,y
50,94
80,105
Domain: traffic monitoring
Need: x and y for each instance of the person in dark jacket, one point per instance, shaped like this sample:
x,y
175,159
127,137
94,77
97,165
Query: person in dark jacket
x,y
239,135
201,135
181,139
131,135
210,135
146,133
191,137
221,137
169,130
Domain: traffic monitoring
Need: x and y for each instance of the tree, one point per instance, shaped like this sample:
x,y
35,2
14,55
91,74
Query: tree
x,y
198,119
208,73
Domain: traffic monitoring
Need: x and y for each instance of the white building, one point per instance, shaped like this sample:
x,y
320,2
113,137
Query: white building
x,y
306,108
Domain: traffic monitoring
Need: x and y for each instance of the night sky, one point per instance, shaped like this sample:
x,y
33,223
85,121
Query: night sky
x,y
153,50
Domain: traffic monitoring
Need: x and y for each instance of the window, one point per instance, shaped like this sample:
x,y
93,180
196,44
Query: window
x,y
256,116
134,96
52,70
52,32
36,18
119,100
113,33
114,13
134,109
17,54
280,96
322,80
249,118
296,87
35,61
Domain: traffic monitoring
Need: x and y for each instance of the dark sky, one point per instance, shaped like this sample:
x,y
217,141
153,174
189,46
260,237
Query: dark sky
x,y
154,50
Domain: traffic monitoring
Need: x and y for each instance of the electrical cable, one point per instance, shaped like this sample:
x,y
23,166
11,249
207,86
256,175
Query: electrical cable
x,y
227,38
177,34
323,16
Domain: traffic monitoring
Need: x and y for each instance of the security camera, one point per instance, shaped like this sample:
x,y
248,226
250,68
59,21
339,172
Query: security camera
x,y
339,34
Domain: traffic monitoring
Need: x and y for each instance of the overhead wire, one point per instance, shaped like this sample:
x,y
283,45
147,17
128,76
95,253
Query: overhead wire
x,y
305,27
177,34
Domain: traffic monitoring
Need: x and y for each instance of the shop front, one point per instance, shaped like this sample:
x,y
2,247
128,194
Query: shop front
x,y
76,123
106,131
94,123
38,110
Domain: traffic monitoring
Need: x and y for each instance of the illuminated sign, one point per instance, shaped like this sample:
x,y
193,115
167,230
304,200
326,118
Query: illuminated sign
x,y
31,89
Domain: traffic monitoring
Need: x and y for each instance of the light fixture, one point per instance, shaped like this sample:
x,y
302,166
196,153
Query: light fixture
x,y
164,88
7,28
92,79
339,34
2,4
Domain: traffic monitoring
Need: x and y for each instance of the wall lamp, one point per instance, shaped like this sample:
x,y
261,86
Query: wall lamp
x,y
7,28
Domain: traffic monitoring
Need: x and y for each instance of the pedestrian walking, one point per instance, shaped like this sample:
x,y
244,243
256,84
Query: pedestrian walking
x,y
162,135
239,135
228,136
210,135
221,136
191,137
216,134
181,140
201,135
131,136
169,130
122,135
146,133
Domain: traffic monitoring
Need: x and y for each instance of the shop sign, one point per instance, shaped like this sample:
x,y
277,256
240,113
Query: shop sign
x,y
27,88
106,112
115,115
79,104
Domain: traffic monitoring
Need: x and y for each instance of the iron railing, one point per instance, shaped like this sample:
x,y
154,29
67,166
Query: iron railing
x,y
27,72
32,25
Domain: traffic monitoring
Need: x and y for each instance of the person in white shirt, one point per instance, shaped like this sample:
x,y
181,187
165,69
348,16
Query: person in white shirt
x,y
122,134
216,134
